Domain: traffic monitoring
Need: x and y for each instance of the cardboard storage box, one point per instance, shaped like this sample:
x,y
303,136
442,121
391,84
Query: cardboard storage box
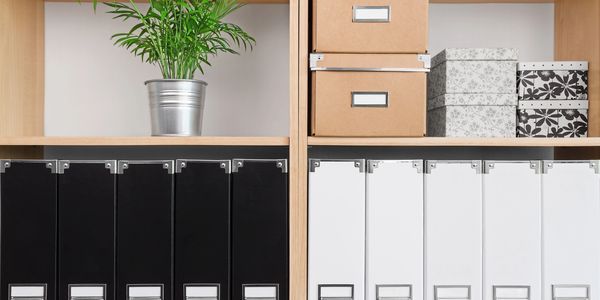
x,y
472,115
553,119
561,80
368,94
370,26
473,71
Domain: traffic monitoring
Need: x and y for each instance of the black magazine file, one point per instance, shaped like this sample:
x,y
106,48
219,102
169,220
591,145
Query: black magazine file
x,y
144,229
202,230
28,192
86,229
260,228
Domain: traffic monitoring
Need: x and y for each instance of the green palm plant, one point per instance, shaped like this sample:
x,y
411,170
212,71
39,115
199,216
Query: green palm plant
x,y
179,35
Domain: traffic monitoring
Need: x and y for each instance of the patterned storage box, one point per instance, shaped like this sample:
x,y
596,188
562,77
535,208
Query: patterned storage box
x,y
552,99
473,71
472,115
552,80
553,119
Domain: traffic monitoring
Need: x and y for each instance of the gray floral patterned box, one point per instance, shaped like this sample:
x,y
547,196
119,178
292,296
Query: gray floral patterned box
x,y
473,71
560,80
472,115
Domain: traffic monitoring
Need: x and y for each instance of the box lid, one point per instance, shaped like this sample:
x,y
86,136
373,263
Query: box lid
x,y
466,54
473,100
553,66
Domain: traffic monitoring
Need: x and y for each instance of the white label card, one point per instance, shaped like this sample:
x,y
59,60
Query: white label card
x,y
30,291
261,292
149,291
394,291
336,291
202,291
371,14
87,291
379,99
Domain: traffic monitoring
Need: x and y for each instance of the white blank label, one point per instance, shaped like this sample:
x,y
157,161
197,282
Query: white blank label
x,y
371,14
571,292
511,292
87,291
145,291
202,291
452,292
393,292
336,292
260,292
369,99
30,291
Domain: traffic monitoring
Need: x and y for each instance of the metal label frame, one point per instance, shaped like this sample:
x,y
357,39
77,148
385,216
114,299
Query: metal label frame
x,y
587,288
217,285
162,291
496,287
367,7
386,104
436,287
409,286
351,286
275,285
43,285
103,285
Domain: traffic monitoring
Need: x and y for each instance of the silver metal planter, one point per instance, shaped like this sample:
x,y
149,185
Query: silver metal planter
x,y
176,106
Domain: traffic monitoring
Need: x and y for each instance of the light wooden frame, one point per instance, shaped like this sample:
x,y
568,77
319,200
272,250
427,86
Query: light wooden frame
x,y
577,36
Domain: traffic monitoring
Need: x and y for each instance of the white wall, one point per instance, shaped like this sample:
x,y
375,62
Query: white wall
x,y
94,88
528,27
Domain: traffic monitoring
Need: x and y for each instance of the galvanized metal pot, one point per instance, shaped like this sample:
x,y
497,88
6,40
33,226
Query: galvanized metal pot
x,y
176,106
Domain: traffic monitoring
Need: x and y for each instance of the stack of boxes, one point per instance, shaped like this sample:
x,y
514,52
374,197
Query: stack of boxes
x,y
553,99
369,67
471,93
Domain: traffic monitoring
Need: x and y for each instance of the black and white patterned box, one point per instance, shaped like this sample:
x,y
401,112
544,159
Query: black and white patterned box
x,y
552,99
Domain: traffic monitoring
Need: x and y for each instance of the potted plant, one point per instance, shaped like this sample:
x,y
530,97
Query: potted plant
x,y
179,36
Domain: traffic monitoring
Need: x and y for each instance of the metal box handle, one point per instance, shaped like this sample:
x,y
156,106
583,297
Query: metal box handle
x,y
369,99
508,292
371,14
201,291
27,292
144,292
87,291
393,292
336,292
452,292
570,291
260,291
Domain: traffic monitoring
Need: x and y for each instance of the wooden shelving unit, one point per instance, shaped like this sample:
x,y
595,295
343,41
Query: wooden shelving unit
x,y
143,141
577,36
455,142
146,1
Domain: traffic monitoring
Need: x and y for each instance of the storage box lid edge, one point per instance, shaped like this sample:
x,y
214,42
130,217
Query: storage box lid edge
x,y
472,100
475,54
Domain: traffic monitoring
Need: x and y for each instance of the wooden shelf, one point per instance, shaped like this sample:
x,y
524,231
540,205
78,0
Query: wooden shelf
x,y
455,142
489,1
145,1
287,1
144,141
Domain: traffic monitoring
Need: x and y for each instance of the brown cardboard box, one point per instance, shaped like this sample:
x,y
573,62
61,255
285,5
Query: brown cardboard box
x,y
360,26
368,95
